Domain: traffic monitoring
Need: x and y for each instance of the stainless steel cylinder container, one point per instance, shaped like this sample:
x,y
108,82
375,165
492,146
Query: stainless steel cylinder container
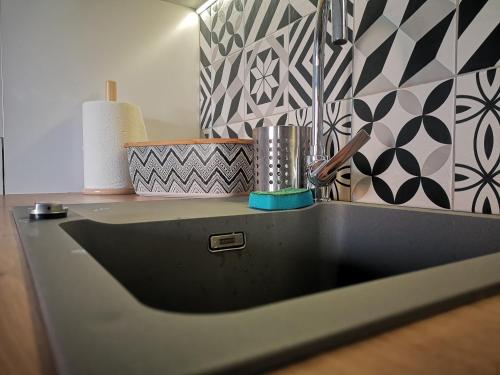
x,y
279,157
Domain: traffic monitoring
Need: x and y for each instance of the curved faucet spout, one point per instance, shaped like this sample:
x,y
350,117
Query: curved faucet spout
x,y
322,172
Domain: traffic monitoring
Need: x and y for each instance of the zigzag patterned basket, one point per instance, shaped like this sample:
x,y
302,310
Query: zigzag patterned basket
x,y
192,168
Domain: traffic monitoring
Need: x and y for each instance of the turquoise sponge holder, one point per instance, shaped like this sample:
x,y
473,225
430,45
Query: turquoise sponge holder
x,y
284,199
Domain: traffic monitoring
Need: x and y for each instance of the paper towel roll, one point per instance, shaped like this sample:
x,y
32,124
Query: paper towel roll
x,y
107,126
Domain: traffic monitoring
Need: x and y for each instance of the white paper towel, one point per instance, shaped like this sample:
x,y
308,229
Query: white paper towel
x,y
107,126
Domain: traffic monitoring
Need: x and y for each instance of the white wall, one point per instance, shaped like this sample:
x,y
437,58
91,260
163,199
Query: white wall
x,y
58,53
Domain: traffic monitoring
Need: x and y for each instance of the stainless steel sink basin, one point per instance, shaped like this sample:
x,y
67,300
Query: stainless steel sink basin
x,y
136,288
168,265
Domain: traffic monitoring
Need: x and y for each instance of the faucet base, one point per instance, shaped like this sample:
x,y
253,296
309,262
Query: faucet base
x,y
321,194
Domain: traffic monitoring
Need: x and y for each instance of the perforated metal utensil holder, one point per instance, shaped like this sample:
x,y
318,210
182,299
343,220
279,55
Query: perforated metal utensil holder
x,y
279,157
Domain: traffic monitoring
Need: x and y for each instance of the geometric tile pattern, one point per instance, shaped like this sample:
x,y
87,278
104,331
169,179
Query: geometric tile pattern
x,y
301,8
336,133
205,39
300,117
337,63
401,43
228,131
236,130
408,160
227,90
477,152
221,132
478,34
275,120
412,67
240,130
205,97
227,28
243,130
224,131
199,170
263,18
266,76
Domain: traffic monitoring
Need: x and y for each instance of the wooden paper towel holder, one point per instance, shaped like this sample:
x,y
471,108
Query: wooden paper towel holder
x,y
111,96
111,93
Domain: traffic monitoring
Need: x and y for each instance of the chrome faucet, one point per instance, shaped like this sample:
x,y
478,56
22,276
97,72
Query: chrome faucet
x,y
321,171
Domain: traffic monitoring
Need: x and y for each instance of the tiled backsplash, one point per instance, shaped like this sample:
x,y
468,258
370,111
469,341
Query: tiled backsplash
x,y
422,77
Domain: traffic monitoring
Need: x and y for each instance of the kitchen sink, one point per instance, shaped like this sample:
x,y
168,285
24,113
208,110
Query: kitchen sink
x,y
211,286
168,265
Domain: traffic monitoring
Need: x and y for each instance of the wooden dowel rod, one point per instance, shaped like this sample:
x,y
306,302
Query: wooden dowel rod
x,y
111,93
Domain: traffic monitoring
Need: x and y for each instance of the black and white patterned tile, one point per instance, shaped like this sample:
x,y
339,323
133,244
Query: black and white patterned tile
x,y
301,8
227,29
263,18
218,132
408,160
240,130
336,133
337,118
338,67
231,131
228,77
205,39
226,131
205,97
477,144
300,117
401,43
266,76
478,34
276,120
243,130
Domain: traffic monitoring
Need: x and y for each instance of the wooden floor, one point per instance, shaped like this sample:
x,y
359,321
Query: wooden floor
x,y
465,340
